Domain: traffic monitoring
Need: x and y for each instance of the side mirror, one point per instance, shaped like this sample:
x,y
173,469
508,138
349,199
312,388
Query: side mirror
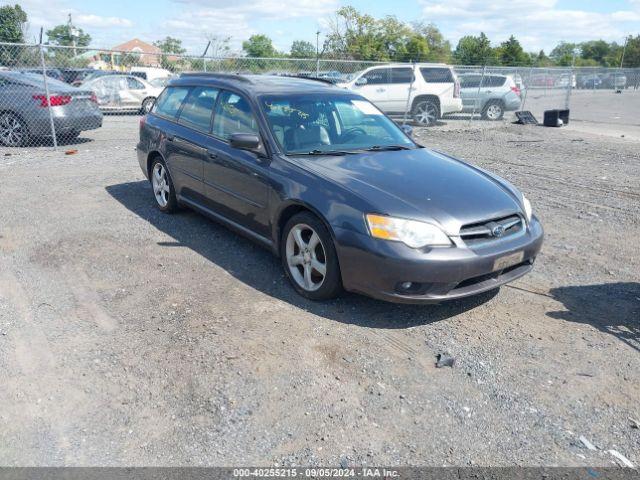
x,y
361,81
407,129
245,141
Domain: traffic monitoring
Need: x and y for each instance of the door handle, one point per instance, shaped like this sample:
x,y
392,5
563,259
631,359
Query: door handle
x,y
380,90
212,155
170,138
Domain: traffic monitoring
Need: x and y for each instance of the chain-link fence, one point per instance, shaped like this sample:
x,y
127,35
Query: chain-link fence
x,y
52,96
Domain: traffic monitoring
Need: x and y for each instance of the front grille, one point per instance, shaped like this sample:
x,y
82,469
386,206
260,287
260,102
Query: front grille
x,y
475,234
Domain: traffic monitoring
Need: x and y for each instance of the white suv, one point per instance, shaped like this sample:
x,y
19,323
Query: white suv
x,y
435,90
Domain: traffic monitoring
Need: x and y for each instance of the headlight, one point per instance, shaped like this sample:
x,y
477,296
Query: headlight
x,y
410,232
527,208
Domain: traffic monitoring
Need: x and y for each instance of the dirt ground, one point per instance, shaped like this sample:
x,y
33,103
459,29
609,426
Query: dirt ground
x,y
130,337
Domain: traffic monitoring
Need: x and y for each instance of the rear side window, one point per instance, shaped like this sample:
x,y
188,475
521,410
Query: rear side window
x,y
377,76
436,75
401,75
169,101
134,84
198,107
495,81
233,115
467,81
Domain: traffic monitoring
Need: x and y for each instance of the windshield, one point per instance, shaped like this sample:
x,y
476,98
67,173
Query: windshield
x,y
319,123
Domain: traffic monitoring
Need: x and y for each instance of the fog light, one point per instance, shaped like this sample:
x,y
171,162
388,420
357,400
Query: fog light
x,y
406,285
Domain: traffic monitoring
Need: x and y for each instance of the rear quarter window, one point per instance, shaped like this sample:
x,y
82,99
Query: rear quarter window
x,y
169,102
436,75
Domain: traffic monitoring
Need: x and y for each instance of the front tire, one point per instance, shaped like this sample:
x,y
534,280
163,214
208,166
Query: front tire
x,y
162,185
309,257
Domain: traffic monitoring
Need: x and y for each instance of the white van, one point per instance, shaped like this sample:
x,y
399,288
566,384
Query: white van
x,y
435,90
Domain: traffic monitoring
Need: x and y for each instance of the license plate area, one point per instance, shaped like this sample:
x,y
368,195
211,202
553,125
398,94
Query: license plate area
x,y
508,261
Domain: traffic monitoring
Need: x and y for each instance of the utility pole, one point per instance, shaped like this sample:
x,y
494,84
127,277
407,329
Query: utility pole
x,y
73,31
318,53
626,39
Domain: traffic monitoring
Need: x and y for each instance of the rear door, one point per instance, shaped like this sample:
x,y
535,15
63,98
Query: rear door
x,y
440,82
376,87
469,85
400,81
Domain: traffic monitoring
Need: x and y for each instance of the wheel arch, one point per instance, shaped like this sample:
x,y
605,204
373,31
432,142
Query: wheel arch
x,y
421,98
290,209
152,155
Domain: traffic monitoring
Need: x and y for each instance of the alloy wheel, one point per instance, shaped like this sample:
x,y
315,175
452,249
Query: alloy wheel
x,y
306,257
494,112
160,184
12,131
426,113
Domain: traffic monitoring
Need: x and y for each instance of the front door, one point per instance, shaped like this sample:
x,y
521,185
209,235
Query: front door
x,y
375,87
236,180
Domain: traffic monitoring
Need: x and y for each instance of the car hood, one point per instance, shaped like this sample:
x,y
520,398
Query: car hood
x,y
420,184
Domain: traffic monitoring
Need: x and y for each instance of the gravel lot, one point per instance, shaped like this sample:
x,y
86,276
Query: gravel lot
x,y
129,337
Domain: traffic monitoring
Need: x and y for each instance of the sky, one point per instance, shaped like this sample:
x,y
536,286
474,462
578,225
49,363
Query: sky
x,y
538,24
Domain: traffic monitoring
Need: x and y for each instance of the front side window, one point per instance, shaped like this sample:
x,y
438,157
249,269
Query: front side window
x,y
377,76
198,107
313,124
169,101
233,115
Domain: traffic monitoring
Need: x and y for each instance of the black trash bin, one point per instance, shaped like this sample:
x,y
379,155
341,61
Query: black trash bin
x,y
551,117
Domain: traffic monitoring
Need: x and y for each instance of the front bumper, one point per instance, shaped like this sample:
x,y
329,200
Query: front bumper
x,y
377,268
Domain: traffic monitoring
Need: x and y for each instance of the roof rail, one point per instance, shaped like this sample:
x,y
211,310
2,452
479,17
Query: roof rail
x,y
222,76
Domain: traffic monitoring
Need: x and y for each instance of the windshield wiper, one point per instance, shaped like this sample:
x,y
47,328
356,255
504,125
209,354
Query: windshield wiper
x,y
324,152
380,148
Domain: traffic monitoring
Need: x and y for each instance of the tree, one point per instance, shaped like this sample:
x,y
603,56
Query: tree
x,y
596,50
475,51
632,53
302,49
563,53
220,46
259,46
354,35
13,22
129,59
170,45
511,53
63,35
439,49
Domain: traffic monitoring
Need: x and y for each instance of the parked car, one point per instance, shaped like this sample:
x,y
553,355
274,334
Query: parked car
x,y
614,81
93,75
24,109
489,95
589,81
435,90
150,73
123,93
333,76
160,82
541,81
71,75
51,72
342,194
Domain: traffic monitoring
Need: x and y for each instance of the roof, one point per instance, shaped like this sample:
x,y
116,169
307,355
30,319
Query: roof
x,y
258,84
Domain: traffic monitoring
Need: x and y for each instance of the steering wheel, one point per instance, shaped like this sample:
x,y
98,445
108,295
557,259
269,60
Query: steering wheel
x,y
352,132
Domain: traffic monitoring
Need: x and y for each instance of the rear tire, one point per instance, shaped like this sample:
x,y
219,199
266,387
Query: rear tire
x,y
13,130
426,112
147,105
309,257
162,185
493,111
68,137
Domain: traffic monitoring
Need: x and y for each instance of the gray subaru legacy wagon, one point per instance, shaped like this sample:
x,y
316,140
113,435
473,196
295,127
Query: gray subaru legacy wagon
x,y
344,196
